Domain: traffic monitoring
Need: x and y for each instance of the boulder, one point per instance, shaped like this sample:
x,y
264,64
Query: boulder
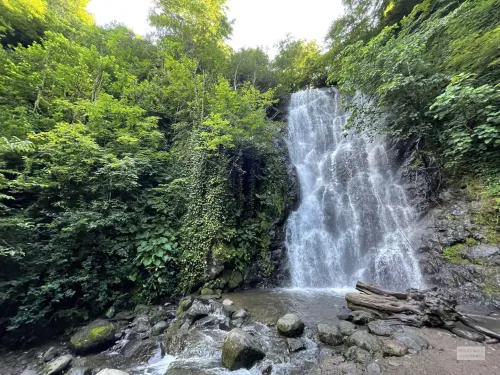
x,y
141,310
295,345
366,341
346,328
394,348
109,371
481,251
158,315
235,280
358,355
207,292
240,350
239,314
227,302
159,328
468,335
290,325
329,334
79,371
373,369
140,327
361,317
381,328
197,311
50,354
412,340
58,365
98,335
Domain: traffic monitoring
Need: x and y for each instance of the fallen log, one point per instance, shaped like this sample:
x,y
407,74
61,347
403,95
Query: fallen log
x,y
469,322
373,289
381,303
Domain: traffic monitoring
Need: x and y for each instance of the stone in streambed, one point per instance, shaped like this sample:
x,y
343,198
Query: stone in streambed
x,y
381,328
334,365
361,317
240,350
468,335
366,341
290,325
239,314
184,305
227,302
413,341
329,334
50,354
98,335
373,369
58,365
393,347
79,371
358,355
159,328
295,345
346,328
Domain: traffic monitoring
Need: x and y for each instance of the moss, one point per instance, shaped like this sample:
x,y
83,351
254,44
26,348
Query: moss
x,y
469,241
492,290
454,253
92,336
206,292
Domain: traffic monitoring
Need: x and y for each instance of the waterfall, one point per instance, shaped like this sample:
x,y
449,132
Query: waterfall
x,y
354,221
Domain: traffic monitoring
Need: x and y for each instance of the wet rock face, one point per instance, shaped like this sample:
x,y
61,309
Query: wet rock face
x,y
93,337
290,325
240,350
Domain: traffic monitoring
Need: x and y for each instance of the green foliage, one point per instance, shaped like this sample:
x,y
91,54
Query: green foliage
x,y
454,253
126,166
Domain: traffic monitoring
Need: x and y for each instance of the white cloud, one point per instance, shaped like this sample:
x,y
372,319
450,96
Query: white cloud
x,y
257,22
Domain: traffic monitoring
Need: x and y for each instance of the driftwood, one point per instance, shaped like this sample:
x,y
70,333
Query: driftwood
x,y
433,308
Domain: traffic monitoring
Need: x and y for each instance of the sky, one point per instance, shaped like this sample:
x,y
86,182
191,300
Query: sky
x,y
256,22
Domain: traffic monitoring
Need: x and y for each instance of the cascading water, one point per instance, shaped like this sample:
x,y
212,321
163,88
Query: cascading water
x,y
354,220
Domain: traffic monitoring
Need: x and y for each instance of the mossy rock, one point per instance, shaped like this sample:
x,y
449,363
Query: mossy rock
x,y
207,292
454,253
236,280
94,337
184,305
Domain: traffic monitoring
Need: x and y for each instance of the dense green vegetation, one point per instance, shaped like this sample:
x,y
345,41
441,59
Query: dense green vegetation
x,y
129,169
135,169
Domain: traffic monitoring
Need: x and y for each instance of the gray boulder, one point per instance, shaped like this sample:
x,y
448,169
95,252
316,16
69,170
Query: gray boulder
x,y
381,328
373,369
295,345
334,365
239,314
468,335
159,328
346,328
240,350
184,305
98,335
109,371
58,365
393,347
358,355
50,354
361,317
366,341
329,334
413,341
482,251
197,311
290,325
140,327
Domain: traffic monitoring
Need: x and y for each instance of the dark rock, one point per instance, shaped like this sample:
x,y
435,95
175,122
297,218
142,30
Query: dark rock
x,y
329,334
213,321
138,349
98,335
290,325
58,365
229,310
197,311
346,328
140,327
366,341
412,340
393,347
125,315
361,317
381,328
295,345
332,365
79,371
50,354
469,335
358,355
159,328
240,350
236,280
481,251
158,315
